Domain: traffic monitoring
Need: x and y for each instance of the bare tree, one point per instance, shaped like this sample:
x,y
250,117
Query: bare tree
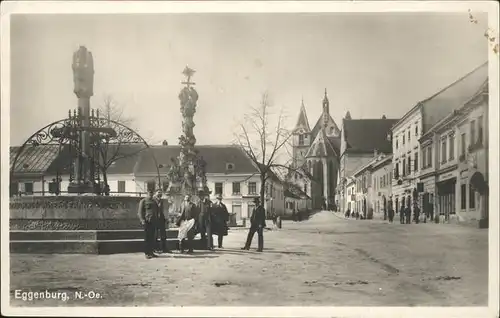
x,y
123,142
265,139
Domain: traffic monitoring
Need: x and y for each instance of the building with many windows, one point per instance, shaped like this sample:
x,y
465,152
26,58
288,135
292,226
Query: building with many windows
x,y
411,152
455,167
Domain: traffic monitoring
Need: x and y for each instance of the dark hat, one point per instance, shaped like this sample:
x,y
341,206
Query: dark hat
x,y
256,199
151,191
219,197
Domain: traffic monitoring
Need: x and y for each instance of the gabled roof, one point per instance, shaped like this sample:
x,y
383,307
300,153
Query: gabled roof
x,y
33,160
319,125
217,157
50,160
366,135
126,155
294,191
321,147
453,97
302,121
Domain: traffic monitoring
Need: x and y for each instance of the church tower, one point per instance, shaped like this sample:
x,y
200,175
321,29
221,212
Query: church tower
x,y
301,137
328,124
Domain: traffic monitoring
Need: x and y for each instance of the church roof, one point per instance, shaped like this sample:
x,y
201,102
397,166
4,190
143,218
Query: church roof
x,y
366,135
321,147
319,125
302,121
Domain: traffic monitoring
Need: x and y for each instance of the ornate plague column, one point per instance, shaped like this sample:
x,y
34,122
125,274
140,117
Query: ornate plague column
x,y
187,175
83,77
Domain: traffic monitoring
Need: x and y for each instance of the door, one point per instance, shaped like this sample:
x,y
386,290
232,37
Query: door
x,y
237,212
250,208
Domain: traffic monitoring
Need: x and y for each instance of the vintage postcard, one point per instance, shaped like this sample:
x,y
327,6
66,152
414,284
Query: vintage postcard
x,y
226,159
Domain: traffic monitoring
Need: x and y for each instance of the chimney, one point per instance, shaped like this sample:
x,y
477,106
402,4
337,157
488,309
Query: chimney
x,y
383,117
375,153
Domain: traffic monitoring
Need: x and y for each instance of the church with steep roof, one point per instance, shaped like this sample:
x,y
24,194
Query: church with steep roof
x,y
317,151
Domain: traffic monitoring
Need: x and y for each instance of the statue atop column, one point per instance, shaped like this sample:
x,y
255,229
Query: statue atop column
x,y
83,73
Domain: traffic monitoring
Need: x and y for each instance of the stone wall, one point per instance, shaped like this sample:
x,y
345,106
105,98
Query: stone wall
x,y
74,213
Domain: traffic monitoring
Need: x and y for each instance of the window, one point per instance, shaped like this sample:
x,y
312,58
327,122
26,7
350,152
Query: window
x,y
403,171
480,130
416,129
443,151
230,166
415,163
409,164
452,147
429,156
28,187
305,188
396,142
121,186
472,132
236,188
218,188
424,157
404,139
252,188
409,135
301,140
463,196
472,198
462,146
396,171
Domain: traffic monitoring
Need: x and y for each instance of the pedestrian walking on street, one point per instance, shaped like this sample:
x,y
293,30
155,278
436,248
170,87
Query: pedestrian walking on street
x,y
147,213
161,223
391,214
416,213
257,224
408,215
402,212
219,220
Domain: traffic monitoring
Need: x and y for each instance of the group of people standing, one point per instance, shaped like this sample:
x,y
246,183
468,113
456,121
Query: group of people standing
x,y
206,218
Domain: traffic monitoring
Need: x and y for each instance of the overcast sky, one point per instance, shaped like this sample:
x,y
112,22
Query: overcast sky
x,y
371,65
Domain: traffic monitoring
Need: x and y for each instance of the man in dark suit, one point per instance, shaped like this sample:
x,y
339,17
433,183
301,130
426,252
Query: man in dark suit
x,y
188,212
161,223
257,224
148,212
205,223
219,219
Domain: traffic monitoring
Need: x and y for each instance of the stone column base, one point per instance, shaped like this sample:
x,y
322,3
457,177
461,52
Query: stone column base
x,y
483,223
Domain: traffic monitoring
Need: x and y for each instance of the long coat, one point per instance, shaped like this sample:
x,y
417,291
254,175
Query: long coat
x,y
220,216
258,217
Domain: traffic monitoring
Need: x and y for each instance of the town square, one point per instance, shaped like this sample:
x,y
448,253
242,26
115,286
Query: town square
x,y
251,159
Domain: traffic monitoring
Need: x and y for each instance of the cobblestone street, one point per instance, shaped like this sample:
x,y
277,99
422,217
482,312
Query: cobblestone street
x,y
324,261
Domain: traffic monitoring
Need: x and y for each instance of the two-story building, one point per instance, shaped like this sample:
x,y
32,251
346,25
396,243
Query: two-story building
x,y
407,132
350,202
373,186
381,171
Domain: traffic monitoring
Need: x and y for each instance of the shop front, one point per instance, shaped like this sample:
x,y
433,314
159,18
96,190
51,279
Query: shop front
x,y
445,200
